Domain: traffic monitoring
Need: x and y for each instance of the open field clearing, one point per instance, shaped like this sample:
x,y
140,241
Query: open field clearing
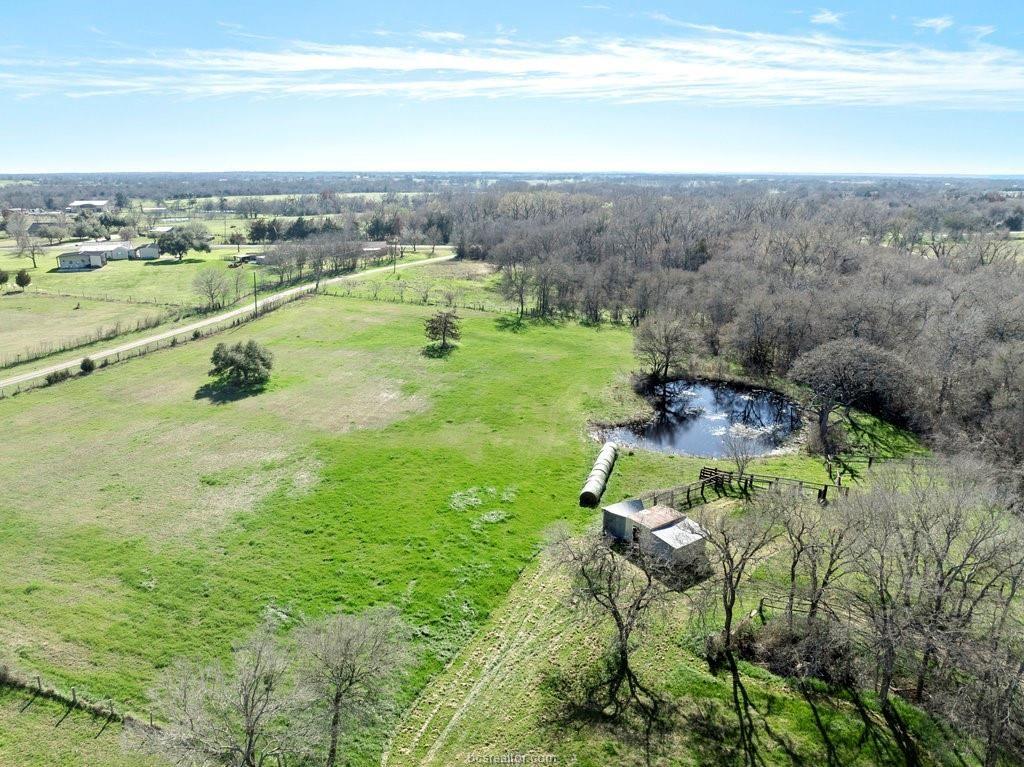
x,y
35,322
460,283
495,698
172,524
31,372
163,524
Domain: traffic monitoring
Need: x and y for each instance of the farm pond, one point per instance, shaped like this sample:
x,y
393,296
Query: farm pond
x,y
696,416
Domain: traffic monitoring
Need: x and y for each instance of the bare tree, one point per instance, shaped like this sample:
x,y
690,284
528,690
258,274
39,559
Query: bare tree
x,y
515,283
661,344
18,227
735,545
212,285
350,666
238,717
627,592
741,443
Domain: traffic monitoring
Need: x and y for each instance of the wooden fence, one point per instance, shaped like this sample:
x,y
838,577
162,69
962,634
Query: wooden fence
x,y
715,483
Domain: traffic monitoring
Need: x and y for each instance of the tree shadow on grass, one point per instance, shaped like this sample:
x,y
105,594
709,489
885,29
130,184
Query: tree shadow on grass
x,y
175,262
511,323
437,352
576,701
220,393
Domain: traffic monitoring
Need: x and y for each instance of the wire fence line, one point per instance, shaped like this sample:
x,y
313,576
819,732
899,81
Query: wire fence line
x,y
104,297
415,299
174,339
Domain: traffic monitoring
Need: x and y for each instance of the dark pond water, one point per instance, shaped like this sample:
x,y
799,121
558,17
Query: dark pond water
x,y
698,414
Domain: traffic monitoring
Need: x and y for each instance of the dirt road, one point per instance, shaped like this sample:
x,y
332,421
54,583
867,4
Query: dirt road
x,y
187,330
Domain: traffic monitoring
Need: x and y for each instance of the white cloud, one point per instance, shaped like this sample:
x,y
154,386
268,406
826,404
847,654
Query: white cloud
x,y
937,25
827,17
442,37
979,32
696,64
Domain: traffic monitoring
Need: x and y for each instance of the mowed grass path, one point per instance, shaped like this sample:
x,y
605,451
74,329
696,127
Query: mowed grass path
x,y
495,698
139,524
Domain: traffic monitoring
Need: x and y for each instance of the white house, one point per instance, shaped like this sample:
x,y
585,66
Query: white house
x,y
77,261
148,251
117,250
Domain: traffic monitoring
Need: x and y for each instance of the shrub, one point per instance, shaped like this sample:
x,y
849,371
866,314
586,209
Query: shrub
x,y
23,279
818,649
87,366
57,376
244,364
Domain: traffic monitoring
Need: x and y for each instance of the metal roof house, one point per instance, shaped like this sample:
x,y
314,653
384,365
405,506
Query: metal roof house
x,y
659,530
114,251
78,260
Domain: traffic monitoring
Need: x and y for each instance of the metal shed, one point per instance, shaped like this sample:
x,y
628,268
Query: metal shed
x,y
618,518
681,543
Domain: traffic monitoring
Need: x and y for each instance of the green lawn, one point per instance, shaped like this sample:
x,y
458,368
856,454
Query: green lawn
x,y
164,280
141,522
493,699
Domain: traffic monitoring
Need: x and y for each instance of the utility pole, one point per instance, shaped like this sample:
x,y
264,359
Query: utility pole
x,y
255,303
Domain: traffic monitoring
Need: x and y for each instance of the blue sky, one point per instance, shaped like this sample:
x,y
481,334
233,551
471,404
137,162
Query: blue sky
x,y
594,85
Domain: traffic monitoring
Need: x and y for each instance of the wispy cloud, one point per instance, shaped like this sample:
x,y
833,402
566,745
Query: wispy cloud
x,y
237,30
979,32
826,17
937,25
699,64
442,37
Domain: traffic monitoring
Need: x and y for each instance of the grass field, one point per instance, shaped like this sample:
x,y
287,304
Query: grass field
x,y
164,280
117,296
163,524
36,736
143,521
34,322
492,701
465,283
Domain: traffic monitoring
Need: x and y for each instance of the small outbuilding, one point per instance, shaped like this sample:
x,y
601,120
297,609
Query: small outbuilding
x,y
660,531
618,518
681,544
